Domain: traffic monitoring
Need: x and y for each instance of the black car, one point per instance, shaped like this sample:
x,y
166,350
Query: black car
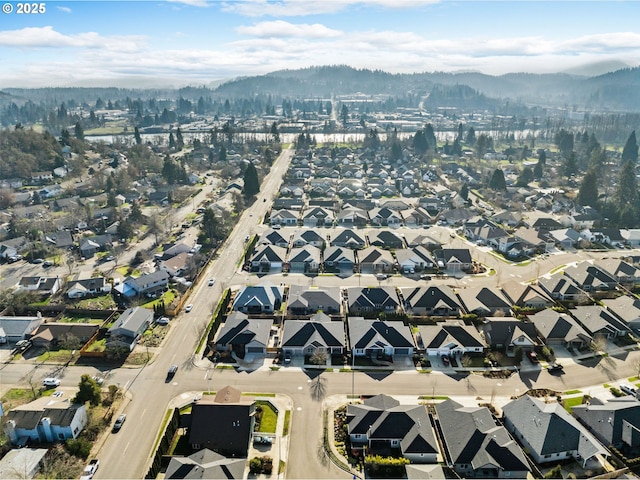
x,y
555,368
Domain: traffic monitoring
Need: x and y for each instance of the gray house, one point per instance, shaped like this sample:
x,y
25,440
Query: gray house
x,y
381,422
549,432
305,337
130,325
614,422
309,300
243,335
374,338
265,298
476,445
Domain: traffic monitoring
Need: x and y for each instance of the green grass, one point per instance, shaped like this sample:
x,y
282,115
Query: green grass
x,y
557,269
287,422
59,356
104,302
167,298
569,403
424,370
225,367
606,385
258,394
274,368
431,397
571,392
269,417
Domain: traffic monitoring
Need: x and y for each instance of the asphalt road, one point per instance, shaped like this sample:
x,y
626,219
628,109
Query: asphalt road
x,y
149,395
148,390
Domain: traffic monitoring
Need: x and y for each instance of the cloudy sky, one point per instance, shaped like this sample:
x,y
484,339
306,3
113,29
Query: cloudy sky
x,y
201,41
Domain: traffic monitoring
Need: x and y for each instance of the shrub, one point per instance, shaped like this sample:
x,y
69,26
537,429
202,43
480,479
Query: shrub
x,y
79,447
255,465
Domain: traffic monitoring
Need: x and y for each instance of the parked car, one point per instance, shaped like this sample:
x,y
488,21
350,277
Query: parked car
x,y
628,389
47,263
188,308
90,470
262,440
533,357
37,260
425,277
211,282
445,360
555,368
119,422
163,321
381,276
98,380
51,382
287,358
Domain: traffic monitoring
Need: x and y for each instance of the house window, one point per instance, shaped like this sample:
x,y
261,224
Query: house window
x,y
61,436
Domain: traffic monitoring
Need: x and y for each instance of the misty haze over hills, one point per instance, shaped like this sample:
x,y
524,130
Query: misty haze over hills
x,y
612,91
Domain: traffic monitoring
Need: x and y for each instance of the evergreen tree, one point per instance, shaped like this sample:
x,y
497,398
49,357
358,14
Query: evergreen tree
x,y
430,135
537,171
542,156
251,182
626,196
172,141
630,150
420,143
88,391
396,151
497,181
344,114
525,177
471,136
570,165
136,134
179,140
222,156
275,133
464,192
79,131
588,193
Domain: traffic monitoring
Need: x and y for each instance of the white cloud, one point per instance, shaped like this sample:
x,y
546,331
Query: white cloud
x,y
280,45
47,37
192,3
293,8
64,9
280,28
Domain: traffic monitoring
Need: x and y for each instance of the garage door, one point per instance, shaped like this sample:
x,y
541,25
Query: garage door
x,y
255,350
402,351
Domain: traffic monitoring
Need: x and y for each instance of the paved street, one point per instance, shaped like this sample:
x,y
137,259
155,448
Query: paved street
x,y
148,396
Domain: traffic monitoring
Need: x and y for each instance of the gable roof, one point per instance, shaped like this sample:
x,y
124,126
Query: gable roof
x,y
348,238
303,333
549,428
506,330
521,295
473,437
554,325
372,298
454,333
238,329
364,333
205,464
612,422
596,319
430,298
301,296
483,299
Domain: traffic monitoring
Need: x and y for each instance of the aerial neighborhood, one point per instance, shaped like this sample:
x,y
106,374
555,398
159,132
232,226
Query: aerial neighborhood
x,y
427,290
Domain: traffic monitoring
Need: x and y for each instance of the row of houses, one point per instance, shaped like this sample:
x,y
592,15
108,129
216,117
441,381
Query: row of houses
x,y
476,444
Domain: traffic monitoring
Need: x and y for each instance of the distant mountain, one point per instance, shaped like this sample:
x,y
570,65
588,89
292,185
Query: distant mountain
x,y
613,90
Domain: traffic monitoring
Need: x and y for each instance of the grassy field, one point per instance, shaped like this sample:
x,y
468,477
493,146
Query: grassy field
x,y
269,417
569,403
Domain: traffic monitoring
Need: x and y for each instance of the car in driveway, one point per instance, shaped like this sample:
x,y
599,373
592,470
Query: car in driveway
x,y
188,308
119,422
262,440
533,357
162,321
287,358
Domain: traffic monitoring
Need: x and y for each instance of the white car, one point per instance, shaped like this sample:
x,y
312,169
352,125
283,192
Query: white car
x,y
212,281
188,308
51,382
